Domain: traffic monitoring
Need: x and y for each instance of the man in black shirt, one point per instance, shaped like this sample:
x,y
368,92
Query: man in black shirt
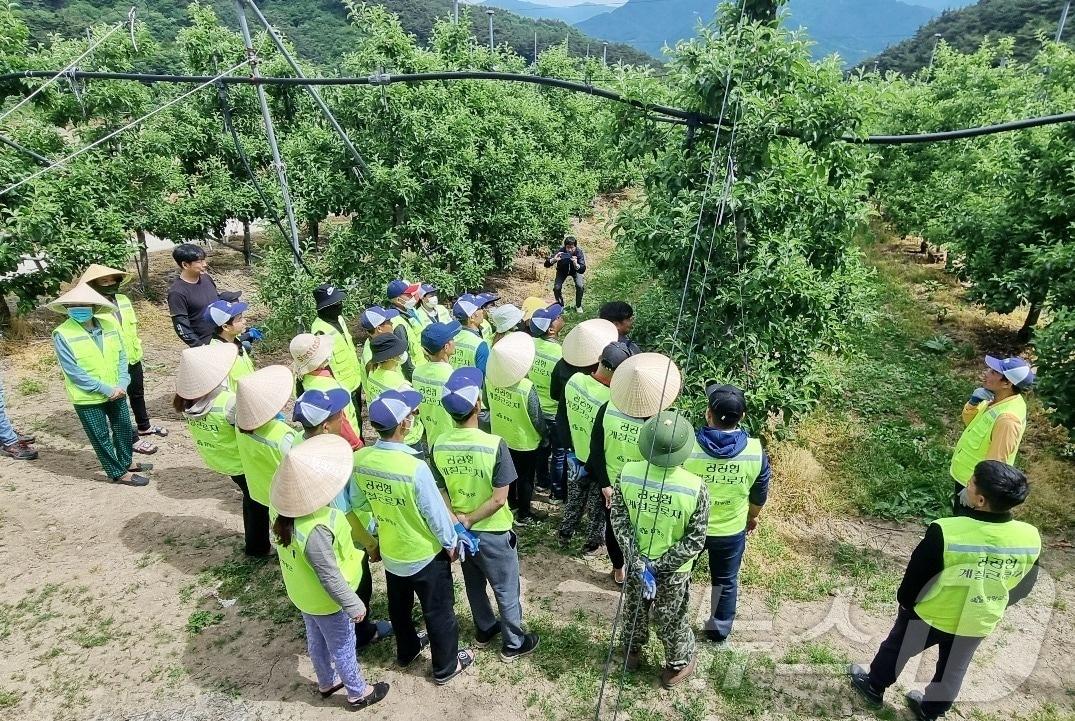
x,y
191,293
620,314
569,261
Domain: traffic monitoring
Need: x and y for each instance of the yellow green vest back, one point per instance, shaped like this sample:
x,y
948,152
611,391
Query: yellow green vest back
x,y
660,502
621,441
344,359
128,328
466,349
301,581
729,481
429,380
260,451
100,363
488,332
583,395
387,478
243,366
413,327
509,417
983,562
466,458
313,382
973,446
381,380
548,355
214,437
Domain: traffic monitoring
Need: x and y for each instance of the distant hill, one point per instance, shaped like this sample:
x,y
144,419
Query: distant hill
x,y
965,30
941,5
569,14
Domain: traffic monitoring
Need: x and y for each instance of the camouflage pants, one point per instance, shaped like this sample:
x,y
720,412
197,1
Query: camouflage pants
x,y
671,616
583,498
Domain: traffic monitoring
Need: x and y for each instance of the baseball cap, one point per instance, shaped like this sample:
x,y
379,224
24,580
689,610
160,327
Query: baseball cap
x,y
543,318
397,288
313,408
436,335
667,439
221,311
462,390
614,354
466,306
392,407
327,294
425,289
727,402
376,315
1016,370
487,297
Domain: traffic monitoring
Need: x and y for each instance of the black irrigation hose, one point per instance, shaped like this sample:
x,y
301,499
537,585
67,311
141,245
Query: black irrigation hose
x,y
25,151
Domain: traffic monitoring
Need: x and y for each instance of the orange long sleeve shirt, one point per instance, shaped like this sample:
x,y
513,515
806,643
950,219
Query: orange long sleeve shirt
x,y
1005,439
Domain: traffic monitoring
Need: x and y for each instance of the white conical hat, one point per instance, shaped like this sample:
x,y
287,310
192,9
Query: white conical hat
x,y
510,360
81,294
97,271
309,352
204,368
262,395
646,384
311,475
583,345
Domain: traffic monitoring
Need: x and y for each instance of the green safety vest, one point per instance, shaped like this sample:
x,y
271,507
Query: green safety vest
x,y
973,446
583,395
443,315
325,384
382,380
429,380
621,441
344,359
548,355
413,326
467,343
243,366
983,562
214,437
303,586
660,502
101,363
128,329
729,481
387,478
261,453
466,458
509,417
487,331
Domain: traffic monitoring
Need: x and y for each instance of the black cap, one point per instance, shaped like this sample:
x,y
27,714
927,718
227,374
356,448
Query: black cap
x,y
327,294
727,403
614,354
387,345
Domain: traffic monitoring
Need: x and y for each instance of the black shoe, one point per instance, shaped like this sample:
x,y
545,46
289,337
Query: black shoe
x,y
423,644
134,480
482,638
914,702
530,644
714,637
19,451
860,679
380,690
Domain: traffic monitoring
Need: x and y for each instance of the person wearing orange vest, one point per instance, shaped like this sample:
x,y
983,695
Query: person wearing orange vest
x,y
960,580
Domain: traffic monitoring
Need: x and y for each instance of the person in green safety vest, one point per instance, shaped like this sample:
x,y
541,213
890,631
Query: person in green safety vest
x,y
487,301
90,350
995,420
515,415
659,515
320,564
474,471
382,373
107,281
736,471
229,323
311,355
403,297
329,300
264,436
418,541
471,350
429,378
643,386
430,310
963,575
207,404
544,326
375,320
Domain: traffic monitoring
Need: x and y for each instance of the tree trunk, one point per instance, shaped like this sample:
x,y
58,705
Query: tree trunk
x,y
5,313
315,232
246,242
143,261
1027,331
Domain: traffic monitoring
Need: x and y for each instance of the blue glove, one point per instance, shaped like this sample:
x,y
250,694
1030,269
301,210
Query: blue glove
x,y
649,583
979,395
254,333
468,542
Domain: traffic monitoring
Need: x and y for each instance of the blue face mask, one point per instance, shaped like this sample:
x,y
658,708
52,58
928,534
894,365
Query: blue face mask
x,y
80,314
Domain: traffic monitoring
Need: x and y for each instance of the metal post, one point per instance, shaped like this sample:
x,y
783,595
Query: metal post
x,y
1063,20
455,11
490,13
535,47
270,132
604,54
936,44
359,168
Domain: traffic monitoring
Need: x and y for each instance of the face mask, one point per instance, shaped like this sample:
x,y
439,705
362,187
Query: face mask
x,y
430,301
108,291
409,303
80,314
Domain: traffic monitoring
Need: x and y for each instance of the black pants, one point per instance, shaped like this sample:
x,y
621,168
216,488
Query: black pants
x,y
521,491
433,587
558,287
615,553
255,521
136,393
365,629
909,637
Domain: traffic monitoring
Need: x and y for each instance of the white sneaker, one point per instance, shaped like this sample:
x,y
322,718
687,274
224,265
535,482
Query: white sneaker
x,y
578,308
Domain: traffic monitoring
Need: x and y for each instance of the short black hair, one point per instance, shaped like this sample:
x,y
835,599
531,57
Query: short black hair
x,y
616,311
727,403
187,253
465,417
571,240
1003,485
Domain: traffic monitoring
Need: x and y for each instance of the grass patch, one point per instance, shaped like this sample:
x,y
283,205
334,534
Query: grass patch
x,y
255,584
201,620
98,631
815,654
30,386
9,699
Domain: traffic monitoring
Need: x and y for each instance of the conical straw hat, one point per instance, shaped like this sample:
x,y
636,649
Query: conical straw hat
x,y
97,271
262,395
646,384
510,359
311,475
309,352
583,345
81,294
531,304
204,368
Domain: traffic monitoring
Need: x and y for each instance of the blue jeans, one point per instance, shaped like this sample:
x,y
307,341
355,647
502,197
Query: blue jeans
x,y
331,643
725,557
552,463
7,433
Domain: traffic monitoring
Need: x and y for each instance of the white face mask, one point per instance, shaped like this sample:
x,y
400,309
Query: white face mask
x,y
430,302
409,302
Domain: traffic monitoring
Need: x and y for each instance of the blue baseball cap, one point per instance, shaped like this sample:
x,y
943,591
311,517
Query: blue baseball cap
x,y
466,306
221,311
376,315
462,390
1016,370
436,335
397,288
543,318
392,407
425,289
487,297
313,408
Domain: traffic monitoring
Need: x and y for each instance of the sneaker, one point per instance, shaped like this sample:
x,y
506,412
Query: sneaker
x,y
19,451
914,702
463,661
132,479
25,438
592,551
578,308
530,644
482,639
672,677
860,679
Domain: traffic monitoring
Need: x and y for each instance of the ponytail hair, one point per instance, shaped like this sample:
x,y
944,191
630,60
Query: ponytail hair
x,y
284,529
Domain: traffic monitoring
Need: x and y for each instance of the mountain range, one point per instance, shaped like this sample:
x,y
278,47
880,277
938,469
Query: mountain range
x,y
570,14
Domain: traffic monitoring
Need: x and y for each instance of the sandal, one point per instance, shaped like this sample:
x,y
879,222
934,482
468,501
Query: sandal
x,y
154,431
377,693
140,468
615,580
330,691
134,480
464,659
423,644
144,446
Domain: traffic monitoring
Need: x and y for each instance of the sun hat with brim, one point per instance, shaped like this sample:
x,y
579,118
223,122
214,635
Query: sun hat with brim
x,y
80,295
1016,370
311,475
385,346
583,345
100,272
531,304
309,352
510,360
261,395
203,369
667,439
505,318
645,385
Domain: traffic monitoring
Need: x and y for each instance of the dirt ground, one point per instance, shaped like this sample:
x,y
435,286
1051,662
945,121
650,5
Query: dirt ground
x,y
127,603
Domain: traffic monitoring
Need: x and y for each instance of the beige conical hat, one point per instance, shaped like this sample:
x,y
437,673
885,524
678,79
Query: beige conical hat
x,y
97,271
262,395
646,384
204,368
311,475
510,360
81,294
309,352
531,304
583,345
